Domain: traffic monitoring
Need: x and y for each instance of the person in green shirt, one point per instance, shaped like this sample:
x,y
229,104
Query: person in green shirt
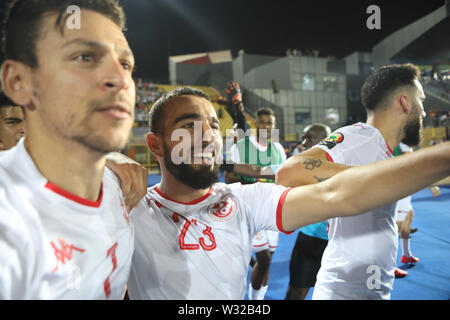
x,y
256,159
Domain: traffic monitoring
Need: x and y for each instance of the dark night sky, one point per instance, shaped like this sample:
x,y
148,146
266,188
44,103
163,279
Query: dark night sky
x,y
160,28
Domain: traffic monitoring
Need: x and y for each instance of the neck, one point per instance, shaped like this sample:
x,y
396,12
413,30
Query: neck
x,y
67,164
389,125
178,191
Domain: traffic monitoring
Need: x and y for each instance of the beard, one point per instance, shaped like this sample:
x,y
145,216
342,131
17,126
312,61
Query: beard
x,y
412,133
201,178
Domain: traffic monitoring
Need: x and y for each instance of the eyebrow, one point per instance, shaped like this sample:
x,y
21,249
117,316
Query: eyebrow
x,y
194,116
95,45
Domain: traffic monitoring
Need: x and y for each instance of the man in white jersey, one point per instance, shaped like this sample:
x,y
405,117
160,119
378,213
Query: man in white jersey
x,y
193,237
65,229
360,257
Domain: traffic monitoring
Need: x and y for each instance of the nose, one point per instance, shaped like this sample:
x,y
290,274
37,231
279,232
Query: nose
x,y
208,134
115,77
21,129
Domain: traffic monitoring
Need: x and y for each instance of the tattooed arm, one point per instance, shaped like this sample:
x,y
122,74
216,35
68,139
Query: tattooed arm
x,y
310,166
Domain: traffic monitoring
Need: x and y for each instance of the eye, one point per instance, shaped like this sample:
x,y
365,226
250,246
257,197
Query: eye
x,y
85,57
15,122
189,125
127,66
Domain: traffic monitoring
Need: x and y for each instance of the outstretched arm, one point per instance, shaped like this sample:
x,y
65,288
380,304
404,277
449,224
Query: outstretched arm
x,y
311,166
359,189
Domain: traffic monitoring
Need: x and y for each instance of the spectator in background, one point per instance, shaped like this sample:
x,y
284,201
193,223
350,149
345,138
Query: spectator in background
x,y
311,240
12,123
256,159
298,149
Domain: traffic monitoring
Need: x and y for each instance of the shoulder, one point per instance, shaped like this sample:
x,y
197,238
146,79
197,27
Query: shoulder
x,y
278,145
110,176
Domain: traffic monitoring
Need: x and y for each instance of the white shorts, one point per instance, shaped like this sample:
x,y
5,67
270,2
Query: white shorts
x,y
265,240
403,207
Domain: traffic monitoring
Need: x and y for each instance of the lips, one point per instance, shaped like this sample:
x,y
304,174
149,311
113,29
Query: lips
x,y
205,158
116,111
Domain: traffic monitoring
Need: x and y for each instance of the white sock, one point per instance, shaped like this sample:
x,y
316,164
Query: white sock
x,y
405,248
257,294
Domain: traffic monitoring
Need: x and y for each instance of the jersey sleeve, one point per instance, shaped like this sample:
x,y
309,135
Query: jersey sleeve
x,y
264,204
342,145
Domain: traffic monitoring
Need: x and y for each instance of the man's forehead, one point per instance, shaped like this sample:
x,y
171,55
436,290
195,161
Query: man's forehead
x,y
420,92
93,27
187,104
8,110
268,117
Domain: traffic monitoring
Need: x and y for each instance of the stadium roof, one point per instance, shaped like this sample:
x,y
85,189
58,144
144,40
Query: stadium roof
x,y
426,41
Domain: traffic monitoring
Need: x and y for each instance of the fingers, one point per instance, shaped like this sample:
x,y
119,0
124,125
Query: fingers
x,y
435,191
137,186
133,181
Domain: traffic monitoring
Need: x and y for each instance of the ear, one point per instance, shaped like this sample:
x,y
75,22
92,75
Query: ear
x,y
2,146
403,101
154,143
16,80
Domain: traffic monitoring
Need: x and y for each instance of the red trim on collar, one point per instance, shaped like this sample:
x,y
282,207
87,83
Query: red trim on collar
x,y
73,197
389,148
185,203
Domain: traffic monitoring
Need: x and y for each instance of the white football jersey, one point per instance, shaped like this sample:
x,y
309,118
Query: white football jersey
x,y
55,245
200,250
360,258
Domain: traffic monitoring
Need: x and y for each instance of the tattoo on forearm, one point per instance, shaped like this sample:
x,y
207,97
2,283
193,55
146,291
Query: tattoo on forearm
x,y
320,179
310,164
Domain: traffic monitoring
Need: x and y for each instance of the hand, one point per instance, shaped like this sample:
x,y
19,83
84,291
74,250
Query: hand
x,y
435,191
133,178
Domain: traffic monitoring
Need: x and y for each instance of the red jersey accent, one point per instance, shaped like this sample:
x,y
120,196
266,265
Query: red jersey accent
x,y
111,252
186,203
73,197
329,157
389,148
64,253
280,211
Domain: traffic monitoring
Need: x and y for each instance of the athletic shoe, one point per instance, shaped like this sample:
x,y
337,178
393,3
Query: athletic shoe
x,y
399,273
409,259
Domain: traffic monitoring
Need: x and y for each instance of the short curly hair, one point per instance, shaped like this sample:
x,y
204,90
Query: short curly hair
x,y
386,80
155,114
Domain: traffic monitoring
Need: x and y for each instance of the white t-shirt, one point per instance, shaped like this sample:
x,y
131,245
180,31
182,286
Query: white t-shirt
x,y
55,245
360,258
200,250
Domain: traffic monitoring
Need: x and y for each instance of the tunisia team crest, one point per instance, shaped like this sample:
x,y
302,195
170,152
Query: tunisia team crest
x,y
223,210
